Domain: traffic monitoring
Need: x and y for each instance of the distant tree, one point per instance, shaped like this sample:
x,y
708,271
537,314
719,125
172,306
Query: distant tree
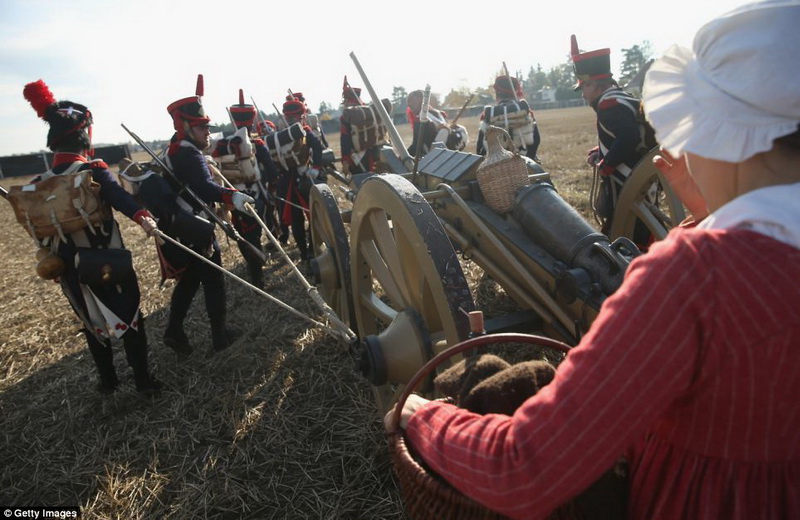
x,y
562,79
457,97
537,78
226,128
324,108
399,96
635,59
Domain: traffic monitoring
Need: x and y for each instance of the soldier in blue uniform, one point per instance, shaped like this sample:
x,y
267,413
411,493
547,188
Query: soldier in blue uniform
x,y
186,157
294,182
253,181
106,300
624,135
512,113
354,160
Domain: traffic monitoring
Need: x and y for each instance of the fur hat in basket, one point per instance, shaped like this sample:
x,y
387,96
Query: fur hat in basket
x,y
489,384
506,390
458,380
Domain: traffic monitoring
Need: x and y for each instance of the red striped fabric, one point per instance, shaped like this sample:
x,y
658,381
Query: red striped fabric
x,y
692,370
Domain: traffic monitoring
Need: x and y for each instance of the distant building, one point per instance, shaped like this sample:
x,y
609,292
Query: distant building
x,y
545,95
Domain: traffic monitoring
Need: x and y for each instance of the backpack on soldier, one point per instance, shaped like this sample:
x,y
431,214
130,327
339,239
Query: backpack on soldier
x,y
59,204
367,130
514,117
288,148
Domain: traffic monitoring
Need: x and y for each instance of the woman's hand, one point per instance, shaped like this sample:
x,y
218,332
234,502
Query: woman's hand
x,y
413,403
682,183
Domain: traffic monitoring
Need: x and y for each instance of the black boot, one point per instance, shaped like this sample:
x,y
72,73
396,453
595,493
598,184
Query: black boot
x,y
284,236
216,307
136,352
104,361
222,335
256,274
176,339
174,335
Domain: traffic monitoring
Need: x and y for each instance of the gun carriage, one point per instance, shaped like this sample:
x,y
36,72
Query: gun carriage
x,y
388,256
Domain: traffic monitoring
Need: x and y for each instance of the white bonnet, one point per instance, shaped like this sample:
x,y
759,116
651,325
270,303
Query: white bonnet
x,y
738,89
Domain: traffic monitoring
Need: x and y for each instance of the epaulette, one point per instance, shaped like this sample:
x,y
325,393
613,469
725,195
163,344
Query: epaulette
x,y
608,103
259,141
98,164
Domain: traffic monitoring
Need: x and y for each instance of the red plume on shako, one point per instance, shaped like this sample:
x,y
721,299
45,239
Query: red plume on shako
x,y
39,96
70,123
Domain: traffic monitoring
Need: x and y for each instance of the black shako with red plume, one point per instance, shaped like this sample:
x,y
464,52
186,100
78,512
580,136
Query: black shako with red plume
x,y
189,111
70,122
589,66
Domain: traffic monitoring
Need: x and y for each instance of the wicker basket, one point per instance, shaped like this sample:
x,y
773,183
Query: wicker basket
x,y
426,495
502,174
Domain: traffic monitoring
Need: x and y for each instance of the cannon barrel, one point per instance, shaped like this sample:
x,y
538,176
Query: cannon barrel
x,y
560,230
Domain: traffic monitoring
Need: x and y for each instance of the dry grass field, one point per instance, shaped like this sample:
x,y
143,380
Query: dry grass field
x,y
280,425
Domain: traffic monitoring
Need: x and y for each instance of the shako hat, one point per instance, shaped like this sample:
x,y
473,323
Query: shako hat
x,y
506,86
242,114
189,110
350,95
590,65
294,107
70,122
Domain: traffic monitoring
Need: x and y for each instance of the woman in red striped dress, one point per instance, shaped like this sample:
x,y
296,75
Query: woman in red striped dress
x,y
692,369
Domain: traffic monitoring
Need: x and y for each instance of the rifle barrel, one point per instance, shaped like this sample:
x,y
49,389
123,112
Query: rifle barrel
x,y
461,112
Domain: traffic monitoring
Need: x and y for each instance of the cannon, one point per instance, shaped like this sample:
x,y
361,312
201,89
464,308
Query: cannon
x,y
388,254
395,276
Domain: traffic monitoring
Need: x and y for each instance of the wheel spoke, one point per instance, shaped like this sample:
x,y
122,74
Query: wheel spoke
x,y
642,210
381,275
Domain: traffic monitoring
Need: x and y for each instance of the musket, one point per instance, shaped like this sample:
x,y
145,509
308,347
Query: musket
x,y
226,226
505,70
338,176
461,112
397,141
258,111
280,113
341,330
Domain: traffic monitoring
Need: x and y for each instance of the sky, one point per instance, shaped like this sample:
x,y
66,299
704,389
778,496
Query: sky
x,y
128,60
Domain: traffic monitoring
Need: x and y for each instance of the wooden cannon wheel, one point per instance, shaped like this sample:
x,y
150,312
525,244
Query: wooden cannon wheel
x,y
410,294
648,197
330,263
